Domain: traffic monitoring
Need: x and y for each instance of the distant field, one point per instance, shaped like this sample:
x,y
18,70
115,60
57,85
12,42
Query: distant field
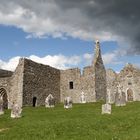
x,y
82,122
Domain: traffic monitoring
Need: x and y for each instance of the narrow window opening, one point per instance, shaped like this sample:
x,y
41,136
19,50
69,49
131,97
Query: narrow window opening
x,y
71,85
129,83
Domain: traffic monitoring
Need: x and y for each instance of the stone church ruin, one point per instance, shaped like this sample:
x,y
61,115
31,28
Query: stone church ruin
x,y
31,83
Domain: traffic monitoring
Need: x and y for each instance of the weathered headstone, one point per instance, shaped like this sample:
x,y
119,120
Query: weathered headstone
x,y
1,105
68,102
16,111
83,98
106,109
49,102
120,98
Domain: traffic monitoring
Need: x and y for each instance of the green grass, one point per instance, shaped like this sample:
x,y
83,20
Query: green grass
x,y
82,122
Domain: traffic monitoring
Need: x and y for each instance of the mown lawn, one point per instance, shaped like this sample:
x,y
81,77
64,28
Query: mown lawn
x,y
82,122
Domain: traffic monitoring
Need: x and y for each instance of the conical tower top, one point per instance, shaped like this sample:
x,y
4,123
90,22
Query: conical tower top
x,y
97,53
97,42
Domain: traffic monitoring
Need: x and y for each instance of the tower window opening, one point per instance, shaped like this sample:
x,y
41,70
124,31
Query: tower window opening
x,y
129,83
71,85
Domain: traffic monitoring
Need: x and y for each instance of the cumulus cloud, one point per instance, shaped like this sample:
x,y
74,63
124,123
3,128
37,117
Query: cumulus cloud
x,y
88,58
9,65
85,19
57,61
108,58
111,58
62,62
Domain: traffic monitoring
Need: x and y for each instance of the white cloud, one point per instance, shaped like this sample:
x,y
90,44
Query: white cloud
x,y
11,64
62,62
108,58
111,58
88,58
49,20
57,61
87,20
137,65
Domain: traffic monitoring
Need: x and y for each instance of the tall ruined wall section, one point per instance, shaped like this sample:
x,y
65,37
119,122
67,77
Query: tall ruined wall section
x,y
81,83
112,84
88,83
100,74
67,76
129,79
40,81
16,85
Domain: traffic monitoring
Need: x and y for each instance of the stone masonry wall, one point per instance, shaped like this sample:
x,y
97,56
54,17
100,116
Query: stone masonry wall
x,y
5,73
129,78
81,83
16,85
40,81
111,77
5,83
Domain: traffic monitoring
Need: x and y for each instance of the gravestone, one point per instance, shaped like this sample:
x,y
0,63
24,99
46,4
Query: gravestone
x,y
120,98
49,102
1,105
16,111
68,102
106,109
82,98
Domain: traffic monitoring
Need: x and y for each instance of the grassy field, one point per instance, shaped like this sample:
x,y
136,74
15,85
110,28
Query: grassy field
x,y
82,122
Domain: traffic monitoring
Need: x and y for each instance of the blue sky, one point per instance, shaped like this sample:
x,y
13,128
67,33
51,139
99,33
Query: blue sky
x,y
58,40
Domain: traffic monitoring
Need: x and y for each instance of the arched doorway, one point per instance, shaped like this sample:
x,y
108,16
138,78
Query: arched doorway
x,y
34,101
129,95
3,93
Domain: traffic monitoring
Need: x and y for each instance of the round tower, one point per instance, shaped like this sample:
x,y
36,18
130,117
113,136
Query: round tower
x,y
100,73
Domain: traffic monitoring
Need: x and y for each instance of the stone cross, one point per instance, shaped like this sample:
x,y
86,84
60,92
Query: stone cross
x,y
49,102
68,102
16,111
1,105
106,109
82,98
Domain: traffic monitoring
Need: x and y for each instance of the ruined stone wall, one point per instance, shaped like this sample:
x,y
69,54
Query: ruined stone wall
x,y
81,83
5,83
88,83
16,85
129,78
5,78
88,71
111,77
5,73
40,81
67,76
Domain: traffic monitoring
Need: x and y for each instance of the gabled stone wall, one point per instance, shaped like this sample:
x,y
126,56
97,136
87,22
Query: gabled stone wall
x,y
129,78
39,81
